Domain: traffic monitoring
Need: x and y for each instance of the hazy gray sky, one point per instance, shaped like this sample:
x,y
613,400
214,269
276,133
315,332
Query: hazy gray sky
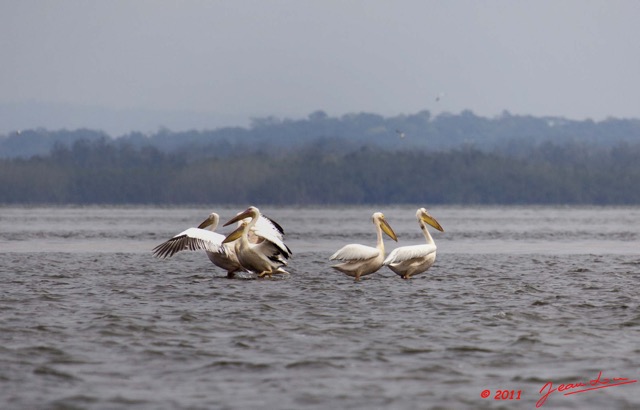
x,y
241,59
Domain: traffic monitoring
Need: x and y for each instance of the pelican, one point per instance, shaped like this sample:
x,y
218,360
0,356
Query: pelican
x,y
407,261
259,243
203,238
360,260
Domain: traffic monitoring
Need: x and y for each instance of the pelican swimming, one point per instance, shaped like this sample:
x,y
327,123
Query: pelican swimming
x,y
203,238
360,260
407,261
259,243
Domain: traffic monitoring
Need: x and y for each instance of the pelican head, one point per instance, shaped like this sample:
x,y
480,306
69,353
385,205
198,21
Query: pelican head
x,y
424,216
211,221
379,220
250,213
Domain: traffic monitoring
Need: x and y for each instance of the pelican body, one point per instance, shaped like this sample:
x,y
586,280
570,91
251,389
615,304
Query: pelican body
x,y
361,260
203,238
258,243
407,261
226,259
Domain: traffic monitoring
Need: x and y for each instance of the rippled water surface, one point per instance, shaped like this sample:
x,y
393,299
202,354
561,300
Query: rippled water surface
x,y
518,297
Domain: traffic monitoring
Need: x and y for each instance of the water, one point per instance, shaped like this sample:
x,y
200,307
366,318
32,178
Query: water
x,y
518,297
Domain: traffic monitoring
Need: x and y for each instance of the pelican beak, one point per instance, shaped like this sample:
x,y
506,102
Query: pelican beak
x,y
239,217
205,223
386,228
234,235
426,218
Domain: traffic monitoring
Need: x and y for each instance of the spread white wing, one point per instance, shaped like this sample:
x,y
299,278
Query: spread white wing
x,y
192,239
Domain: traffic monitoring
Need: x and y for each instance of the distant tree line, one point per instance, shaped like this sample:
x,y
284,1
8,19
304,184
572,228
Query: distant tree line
x,y
506,133
107,171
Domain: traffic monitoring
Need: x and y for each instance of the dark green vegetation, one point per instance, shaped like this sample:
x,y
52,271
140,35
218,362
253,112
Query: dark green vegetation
x,y
354,159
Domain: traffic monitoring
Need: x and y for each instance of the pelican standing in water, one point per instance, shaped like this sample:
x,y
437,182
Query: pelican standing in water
x,y
267,253
407,261
360,260
203,238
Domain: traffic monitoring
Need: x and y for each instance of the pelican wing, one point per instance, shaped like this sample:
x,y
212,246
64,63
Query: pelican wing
x,y
274,225
192,239
270,231
406,253
355,252
272,252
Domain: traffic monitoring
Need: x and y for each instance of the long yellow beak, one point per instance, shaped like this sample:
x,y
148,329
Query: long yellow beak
x,y
234,235
205,223
239,217
386,228
426,218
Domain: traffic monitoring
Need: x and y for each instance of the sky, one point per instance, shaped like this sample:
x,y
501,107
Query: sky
x,y
201,64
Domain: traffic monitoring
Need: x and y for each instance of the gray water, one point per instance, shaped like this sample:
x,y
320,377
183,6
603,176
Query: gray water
x,y
517,297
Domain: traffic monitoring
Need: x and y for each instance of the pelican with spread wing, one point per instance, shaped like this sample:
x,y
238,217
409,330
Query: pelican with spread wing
x,y
258,243
203,238
360,260
407,261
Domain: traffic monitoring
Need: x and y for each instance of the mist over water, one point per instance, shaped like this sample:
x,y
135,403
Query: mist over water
x,y
518,297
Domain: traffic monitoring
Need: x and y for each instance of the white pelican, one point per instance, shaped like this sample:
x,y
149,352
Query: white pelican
x,y
203,238
407,261
360,260
267,253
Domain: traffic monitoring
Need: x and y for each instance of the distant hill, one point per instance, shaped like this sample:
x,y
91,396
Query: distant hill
x,y
506,134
